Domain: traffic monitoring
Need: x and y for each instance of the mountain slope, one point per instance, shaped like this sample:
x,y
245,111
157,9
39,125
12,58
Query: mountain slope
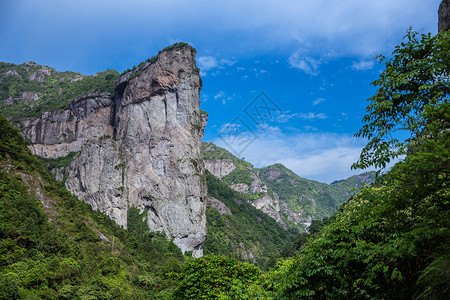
x,y
303,200
52,246
29,89
137,138
289,199
236,228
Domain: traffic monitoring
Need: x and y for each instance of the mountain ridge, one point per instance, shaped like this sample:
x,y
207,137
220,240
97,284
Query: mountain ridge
x,y
289,199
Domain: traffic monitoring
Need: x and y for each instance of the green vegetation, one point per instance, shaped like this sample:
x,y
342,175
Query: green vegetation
x,y
247,233
316,199
392,240
213,277
389,241
414,84
64,250
54,90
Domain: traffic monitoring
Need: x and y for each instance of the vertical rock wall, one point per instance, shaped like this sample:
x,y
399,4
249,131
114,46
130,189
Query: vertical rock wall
x,y
141,150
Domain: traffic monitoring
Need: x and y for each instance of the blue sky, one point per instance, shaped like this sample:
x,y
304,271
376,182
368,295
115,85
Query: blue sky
x,y
283,81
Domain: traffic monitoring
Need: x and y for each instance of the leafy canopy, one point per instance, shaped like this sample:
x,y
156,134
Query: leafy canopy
x,y
412,98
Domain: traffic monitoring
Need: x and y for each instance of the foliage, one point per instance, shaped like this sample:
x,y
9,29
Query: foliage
x,y
64,250
213,277
391,240
54,91
315,199
415,81
247,233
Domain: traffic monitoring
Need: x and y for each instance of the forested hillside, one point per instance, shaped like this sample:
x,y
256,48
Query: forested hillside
x,y
52,246
29,89
389,241
291,200
315,199
243,231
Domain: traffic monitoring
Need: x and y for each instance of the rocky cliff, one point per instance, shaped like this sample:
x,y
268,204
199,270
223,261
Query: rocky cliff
x,y
444,16
140,148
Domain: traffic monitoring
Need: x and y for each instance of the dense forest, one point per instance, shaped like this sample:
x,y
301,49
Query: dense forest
x,y
390,241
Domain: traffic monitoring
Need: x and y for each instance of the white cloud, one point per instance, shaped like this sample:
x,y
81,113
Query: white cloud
x,y
208,63
286,116
221,96
308,65
311,116
317,101
363,65
232,28
229,127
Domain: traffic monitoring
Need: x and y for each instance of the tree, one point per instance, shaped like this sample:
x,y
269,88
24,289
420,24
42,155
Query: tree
x,y
412,99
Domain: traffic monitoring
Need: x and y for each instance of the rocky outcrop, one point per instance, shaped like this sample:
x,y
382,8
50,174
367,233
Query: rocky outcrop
x,y
141,149
219,206
221,163
220,168
444,16
60,132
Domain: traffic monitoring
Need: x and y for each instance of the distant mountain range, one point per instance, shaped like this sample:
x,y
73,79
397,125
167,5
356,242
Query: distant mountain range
x,y
289,199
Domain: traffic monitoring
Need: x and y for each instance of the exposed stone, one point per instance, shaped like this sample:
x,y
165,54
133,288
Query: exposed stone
x,y
204,117
141,150
30,97
270,206
40,74
60,132
220,168
240,187
258,186
9,74
77,77
444,16
58,173
219,206
9,100
273,174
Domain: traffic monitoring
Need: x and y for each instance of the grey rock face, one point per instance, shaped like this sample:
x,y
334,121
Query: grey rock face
x,y
60,132
218,205
141,150
220,168
266,202
444,16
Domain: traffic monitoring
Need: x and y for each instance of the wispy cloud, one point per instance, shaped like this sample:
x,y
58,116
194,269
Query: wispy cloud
x,y
363,65
207,63
320,156
307,64
286,116
317,101
221,96
311,116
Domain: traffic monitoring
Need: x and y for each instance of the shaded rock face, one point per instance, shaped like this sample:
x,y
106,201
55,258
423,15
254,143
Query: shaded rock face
x,y
142,149
444,16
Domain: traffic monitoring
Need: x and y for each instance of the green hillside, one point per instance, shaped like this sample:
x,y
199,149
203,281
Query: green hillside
x,y
29,89
52,246
301,200
316,199
247,233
